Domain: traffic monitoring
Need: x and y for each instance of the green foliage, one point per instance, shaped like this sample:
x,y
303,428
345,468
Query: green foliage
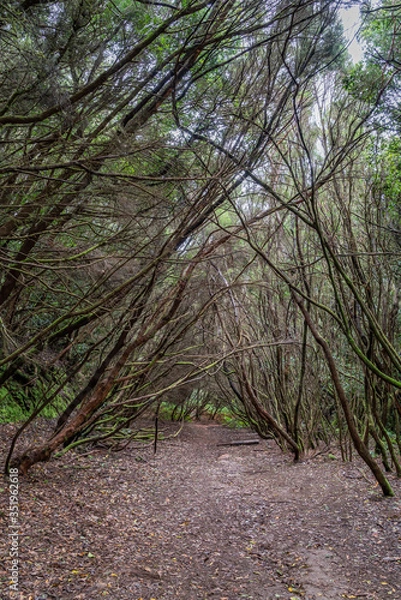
x,y
392,176
170,411
377,79
364,82
135,136
229,418
166,411
17,401
10,411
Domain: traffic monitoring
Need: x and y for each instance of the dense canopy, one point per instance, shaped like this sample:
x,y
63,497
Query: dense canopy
x,y
200,211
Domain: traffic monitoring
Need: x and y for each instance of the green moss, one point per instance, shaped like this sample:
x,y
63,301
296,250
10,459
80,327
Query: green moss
x,y
10,412
18,401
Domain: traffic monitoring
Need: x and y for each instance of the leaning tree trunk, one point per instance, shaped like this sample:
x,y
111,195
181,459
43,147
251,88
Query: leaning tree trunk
x,y
43,453
359,445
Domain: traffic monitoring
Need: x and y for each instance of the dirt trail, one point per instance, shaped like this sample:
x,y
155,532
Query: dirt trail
x,y
200,520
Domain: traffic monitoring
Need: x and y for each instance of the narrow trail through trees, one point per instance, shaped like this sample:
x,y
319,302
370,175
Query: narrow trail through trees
x,y
201,521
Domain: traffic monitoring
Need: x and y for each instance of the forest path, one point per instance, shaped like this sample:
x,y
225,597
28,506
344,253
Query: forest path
x,y
199,520
254,525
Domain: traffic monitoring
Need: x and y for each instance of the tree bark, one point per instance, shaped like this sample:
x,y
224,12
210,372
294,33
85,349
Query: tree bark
x,y
349,417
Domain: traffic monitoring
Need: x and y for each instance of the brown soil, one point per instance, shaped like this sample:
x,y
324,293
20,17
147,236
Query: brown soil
x,y
198,521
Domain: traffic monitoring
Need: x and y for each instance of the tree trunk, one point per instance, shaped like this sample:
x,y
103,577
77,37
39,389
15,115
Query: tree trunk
x,y
349,417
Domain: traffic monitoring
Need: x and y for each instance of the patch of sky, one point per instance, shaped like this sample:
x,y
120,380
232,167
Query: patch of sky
x,y
351,20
